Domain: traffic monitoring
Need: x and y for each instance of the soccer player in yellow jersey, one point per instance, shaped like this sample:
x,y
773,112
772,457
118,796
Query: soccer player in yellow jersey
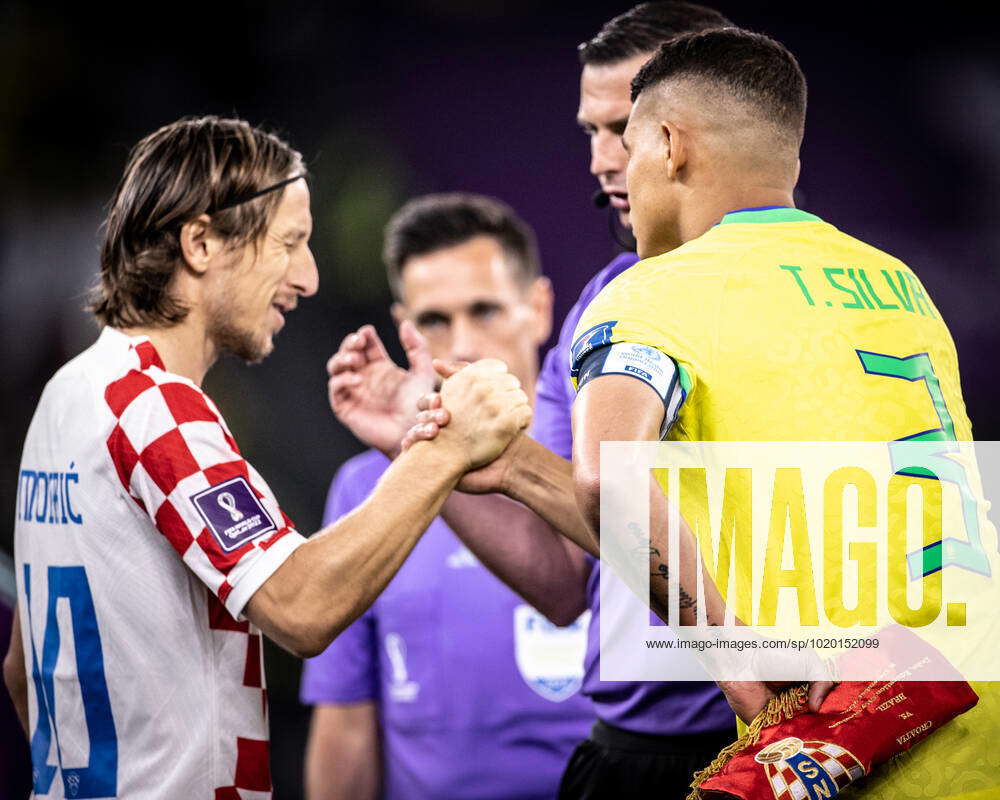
x,y
752,320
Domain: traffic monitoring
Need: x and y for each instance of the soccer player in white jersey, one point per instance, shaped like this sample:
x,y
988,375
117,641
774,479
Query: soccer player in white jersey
x,y
150,555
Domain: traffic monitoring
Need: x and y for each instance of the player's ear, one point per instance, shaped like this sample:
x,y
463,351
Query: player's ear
x,y
398,311
541,298
198,244
675,148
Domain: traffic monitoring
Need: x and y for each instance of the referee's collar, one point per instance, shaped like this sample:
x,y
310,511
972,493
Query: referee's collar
x,y
768,214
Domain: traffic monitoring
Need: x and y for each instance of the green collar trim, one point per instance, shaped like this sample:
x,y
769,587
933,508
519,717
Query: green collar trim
x,y
779,214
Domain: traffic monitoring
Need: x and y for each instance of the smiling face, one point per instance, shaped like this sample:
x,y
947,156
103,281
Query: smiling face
x,y
469,304
605,91
247,306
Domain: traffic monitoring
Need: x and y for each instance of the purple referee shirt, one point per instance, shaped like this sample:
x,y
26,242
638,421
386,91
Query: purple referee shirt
x,y
478,695
661,708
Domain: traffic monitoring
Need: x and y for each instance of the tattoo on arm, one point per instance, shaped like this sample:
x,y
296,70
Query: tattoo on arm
x,y
684,599
657,600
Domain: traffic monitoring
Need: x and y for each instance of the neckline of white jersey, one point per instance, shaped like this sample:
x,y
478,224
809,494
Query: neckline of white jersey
x,y
765,214
109,333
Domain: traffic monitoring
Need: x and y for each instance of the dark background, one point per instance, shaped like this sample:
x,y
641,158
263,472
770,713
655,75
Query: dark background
x,y
387,100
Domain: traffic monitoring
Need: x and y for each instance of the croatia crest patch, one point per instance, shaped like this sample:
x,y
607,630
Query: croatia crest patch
x,y
798,770
233,513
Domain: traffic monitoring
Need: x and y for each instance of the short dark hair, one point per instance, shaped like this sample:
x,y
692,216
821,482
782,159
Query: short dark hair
x,y
209,165
438,221
751,66
643,28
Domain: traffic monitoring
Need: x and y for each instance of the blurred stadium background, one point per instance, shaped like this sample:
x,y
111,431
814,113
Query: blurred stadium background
x,y
387,100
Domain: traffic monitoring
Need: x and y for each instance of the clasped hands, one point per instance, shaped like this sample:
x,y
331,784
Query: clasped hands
x,y
474,415
477,416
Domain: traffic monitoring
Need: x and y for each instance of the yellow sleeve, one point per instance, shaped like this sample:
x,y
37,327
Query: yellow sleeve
x,y
659,304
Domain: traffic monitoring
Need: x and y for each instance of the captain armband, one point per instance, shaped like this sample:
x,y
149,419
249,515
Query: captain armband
x,y
642,362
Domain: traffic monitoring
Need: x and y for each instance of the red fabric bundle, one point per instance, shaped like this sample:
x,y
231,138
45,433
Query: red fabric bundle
x,y
861,724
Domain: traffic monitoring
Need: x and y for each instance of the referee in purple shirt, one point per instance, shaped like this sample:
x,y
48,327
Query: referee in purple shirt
x,y
648,738
467,691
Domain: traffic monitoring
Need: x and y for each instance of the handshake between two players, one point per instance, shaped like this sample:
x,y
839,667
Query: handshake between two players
x,y
489,410
391,409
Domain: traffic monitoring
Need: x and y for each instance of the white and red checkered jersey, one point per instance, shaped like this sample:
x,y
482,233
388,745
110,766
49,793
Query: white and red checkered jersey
x,y
141,533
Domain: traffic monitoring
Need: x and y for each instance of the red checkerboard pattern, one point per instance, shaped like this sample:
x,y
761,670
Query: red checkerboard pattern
x,y
170,443
252,768
840,765
150,461
253,771
837,762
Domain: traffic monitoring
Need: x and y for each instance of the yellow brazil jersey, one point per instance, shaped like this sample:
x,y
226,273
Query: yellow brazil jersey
x,y
783,328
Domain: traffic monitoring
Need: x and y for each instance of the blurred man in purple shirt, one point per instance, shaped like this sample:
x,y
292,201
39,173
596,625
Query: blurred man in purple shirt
x,y
649,737
467,690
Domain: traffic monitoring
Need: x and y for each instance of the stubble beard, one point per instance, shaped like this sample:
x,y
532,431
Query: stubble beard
x,y
230,338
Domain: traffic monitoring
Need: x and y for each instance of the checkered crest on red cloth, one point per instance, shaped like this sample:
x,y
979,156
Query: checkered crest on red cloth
x,y
838,768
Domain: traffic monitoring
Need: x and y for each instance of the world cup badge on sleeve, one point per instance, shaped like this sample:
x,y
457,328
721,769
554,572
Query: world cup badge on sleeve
x,y
233,513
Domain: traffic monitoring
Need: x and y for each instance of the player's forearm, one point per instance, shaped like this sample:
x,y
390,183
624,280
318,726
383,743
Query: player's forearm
x,y
682,566
543,482
597,418
331,579
14,675
523,551
630,559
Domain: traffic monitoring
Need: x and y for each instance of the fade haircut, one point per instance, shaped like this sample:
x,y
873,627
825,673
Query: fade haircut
x,y
438,221
209,165
751,67
643,28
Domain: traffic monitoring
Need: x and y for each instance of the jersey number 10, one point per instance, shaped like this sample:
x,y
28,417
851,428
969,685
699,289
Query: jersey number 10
x,y
100,777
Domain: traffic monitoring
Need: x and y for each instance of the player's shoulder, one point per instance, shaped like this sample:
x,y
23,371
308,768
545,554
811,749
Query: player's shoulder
x,y
864,249
79,384
142,388
73,382
146,402
687,259
688,280
791,230
713,248
646,282
141,381
612,270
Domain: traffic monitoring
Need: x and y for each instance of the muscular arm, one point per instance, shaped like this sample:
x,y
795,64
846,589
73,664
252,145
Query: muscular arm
x,y
597,417
330,580
373,397
13,672
543,482
342,754
531,538
327,582
521,544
